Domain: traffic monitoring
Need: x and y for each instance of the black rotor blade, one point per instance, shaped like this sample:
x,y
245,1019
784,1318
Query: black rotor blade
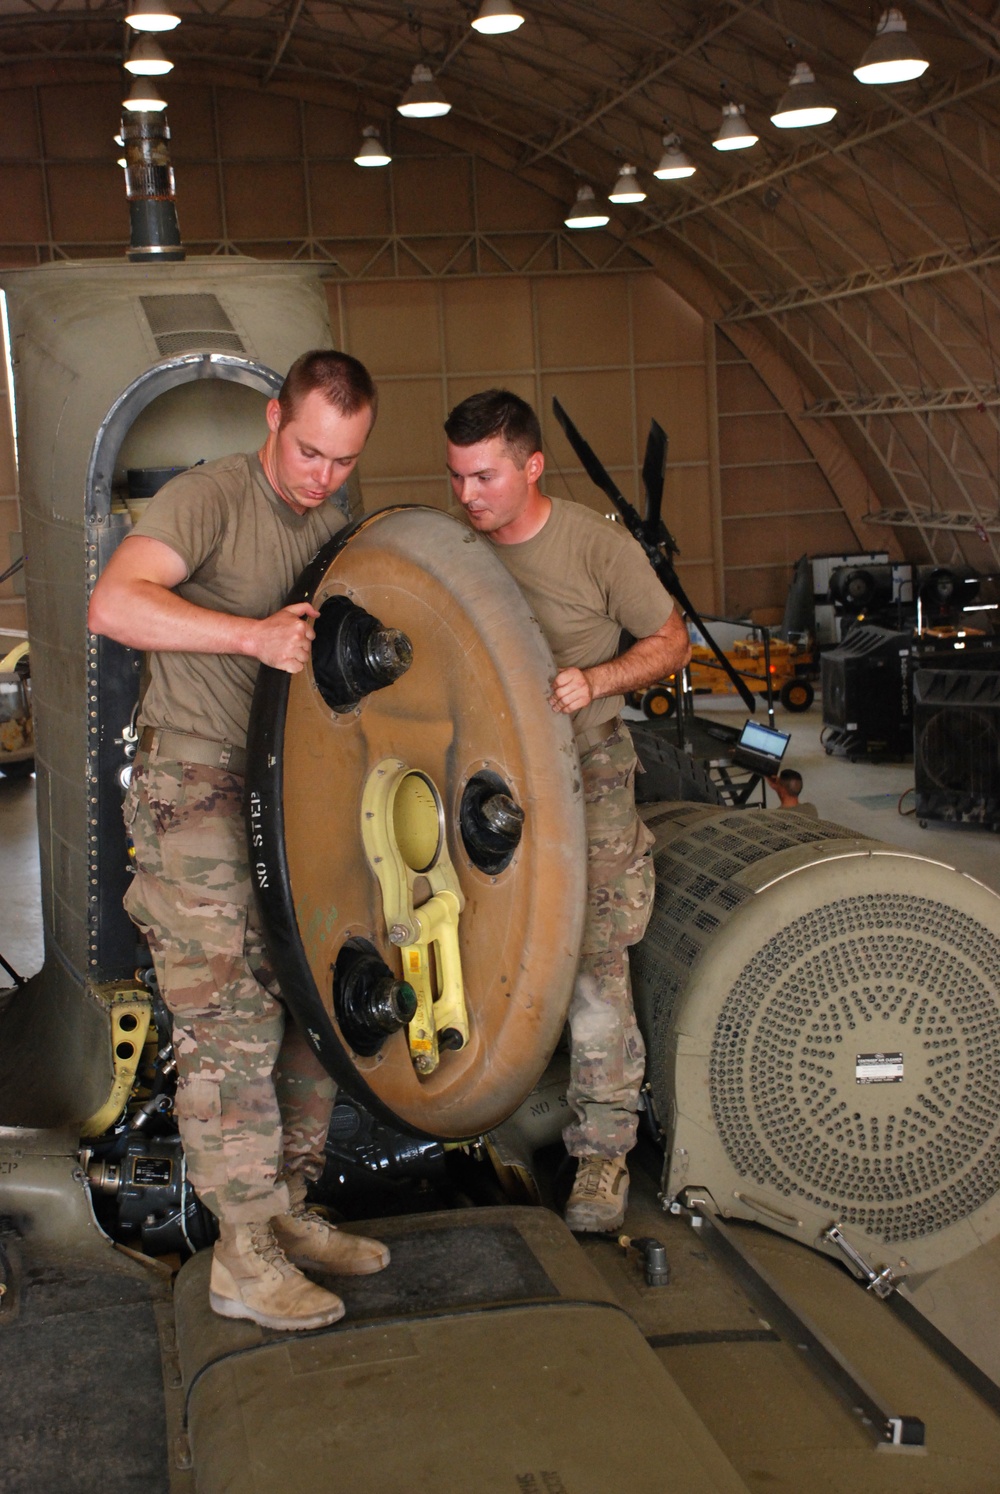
x,y
661,562
654,467
742,688
589,460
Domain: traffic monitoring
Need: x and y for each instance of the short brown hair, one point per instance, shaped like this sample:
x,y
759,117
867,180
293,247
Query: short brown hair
x,y
496,412
342,380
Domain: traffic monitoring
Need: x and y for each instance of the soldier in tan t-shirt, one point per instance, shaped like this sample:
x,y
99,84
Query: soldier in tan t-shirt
x,y
587,581
200,584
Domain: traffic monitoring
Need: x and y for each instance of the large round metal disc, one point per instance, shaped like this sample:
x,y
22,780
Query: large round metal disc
x,y
474,701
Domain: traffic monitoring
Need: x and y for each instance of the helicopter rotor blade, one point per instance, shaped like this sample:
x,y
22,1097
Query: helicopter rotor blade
x,y
654,467
656,542
742,688
589,460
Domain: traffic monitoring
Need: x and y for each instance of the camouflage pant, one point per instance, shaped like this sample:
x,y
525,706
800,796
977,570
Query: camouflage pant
x,y
607,1055
253,1102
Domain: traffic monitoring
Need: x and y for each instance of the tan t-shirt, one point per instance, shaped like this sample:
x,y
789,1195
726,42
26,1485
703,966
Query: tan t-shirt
x,y
243,548
586,579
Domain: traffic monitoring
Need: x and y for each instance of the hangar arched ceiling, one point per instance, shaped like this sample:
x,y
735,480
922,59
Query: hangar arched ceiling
x,y
865,252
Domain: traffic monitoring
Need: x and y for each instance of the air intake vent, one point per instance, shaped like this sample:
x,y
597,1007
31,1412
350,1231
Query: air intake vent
x,y
698,866
190,324
822,1022
867,694
957,734
861,976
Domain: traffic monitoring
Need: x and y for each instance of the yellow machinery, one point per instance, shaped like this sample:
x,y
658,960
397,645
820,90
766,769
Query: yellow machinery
x,y
755,660
17,740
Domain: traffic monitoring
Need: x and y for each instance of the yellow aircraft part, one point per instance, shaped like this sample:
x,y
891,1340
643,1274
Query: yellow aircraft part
x,y
9,661
444,1011
403,830
129,1011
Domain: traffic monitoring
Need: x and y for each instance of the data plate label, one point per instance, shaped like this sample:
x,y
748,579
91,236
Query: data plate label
x,y
878,1068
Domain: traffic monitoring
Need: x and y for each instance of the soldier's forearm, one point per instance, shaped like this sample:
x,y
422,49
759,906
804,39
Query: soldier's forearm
x,y
648,660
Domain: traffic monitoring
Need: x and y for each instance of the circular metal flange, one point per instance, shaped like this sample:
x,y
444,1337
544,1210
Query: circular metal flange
x,y
474,701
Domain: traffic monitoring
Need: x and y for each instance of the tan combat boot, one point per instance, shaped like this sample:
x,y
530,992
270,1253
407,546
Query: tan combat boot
x,y
307,1239
252,1279
600,1193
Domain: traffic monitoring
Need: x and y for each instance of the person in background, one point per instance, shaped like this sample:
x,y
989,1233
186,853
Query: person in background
x,y
788,786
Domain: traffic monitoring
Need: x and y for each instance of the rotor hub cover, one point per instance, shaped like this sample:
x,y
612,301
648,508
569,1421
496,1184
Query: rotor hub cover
x,y
418,830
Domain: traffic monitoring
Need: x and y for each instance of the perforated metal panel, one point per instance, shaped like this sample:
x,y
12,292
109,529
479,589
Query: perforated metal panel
x,y
697,891
822,1015
900,1158
173,343
191,323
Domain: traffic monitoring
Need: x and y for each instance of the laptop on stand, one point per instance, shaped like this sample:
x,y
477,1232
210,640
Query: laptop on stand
x,y
760,748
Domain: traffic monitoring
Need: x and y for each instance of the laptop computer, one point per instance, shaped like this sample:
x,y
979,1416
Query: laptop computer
x,y
760,748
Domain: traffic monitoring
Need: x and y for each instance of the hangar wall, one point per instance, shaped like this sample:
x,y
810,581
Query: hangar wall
x,y
616,349
445,274
777,503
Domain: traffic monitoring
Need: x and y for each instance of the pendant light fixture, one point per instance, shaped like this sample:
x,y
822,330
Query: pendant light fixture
x,y
734,132
424,99
371,151
892,57
497,16
147,58
144,98
626,188
675,163
585,212
151,15
804,102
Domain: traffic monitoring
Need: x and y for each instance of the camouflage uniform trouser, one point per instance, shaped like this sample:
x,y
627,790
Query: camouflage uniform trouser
x,y
253,1101
607,1054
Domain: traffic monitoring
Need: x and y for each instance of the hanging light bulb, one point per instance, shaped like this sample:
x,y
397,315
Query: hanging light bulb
x,y
585,212
151,15
147,58
144,98
424,98
371,151
734,132
891,57
804,102
674,163
497,16
626,188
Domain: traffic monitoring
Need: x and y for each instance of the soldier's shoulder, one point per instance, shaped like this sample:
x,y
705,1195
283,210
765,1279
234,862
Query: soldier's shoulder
x,y
225,476
600,532
224,468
